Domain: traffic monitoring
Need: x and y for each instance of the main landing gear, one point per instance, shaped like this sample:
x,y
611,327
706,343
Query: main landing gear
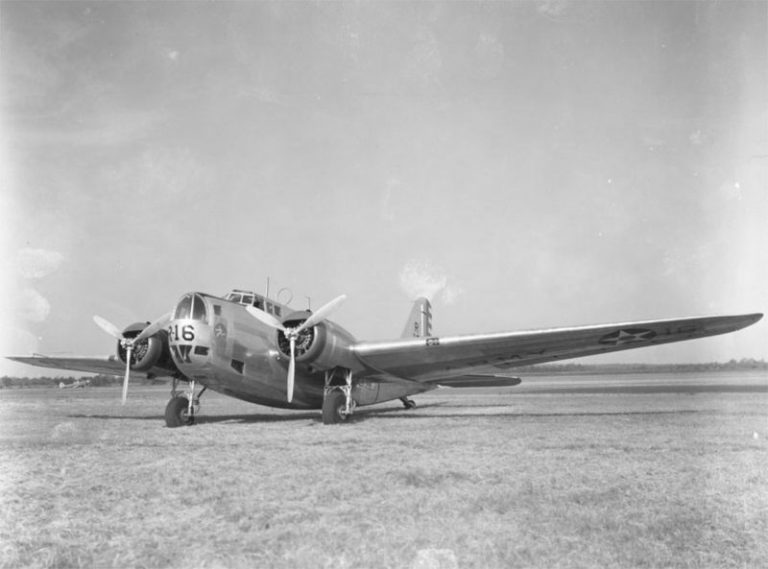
x,y
338,404
181,409
408,403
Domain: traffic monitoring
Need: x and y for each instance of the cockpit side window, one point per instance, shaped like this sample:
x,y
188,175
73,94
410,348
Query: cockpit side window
x,y
247,299
184,308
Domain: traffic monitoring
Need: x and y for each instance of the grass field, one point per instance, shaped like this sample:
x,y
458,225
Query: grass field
x,y
470,478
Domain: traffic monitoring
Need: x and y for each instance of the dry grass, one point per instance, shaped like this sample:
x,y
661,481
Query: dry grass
x,y
468,479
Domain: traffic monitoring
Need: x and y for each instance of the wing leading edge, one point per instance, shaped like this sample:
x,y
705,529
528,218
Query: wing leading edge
x,y
107,365
433,358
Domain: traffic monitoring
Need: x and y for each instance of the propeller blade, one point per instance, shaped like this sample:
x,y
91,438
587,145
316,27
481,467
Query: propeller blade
x,y
108,327
153,328
322,313
291,368
265,318
128,354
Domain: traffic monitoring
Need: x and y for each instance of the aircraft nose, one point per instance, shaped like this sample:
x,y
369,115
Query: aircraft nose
x,y
192,306
190,342
189,334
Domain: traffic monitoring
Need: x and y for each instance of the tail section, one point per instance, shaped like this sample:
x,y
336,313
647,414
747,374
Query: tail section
x,y
419,324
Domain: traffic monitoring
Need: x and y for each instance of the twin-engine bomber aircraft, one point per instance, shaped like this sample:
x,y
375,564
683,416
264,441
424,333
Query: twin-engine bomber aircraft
x,y
252,348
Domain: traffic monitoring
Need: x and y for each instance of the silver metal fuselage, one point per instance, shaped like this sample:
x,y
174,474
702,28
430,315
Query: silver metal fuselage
x,y
229,351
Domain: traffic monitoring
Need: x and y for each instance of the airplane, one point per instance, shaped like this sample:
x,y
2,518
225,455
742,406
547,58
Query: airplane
x,y
250,347
78,383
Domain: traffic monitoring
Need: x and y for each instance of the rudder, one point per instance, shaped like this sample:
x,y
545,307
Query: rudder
x,y
419,324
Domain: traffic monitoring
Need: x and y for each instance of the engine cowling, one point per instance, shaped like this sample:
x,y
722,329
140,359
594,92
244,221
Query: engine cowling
x,y
148,353
322,347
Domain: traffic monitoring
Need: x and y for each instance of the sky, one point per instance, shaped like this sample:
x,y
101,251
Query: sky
x,y
526,164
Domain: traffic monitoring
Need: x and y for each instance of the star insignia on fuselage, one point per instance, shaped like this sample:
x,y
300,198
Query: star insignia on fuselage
x,y
627,336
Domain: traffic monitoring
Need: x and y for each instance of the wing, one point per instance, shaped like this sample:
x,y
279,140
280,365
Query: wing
x,y
107,365
431,359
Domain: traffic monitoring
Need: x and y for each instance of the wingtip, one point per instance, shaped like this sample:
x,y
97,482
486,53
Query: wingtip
x,y
26,359
749,319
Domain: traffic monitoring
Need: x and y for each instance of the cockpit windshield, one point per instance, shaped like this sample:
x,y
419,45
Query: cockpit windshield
x,y
249,298
246,298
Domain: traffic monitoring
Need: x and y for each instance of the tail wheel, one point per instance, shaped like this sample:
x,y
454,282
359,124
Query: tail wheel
x,y
177,412
334,405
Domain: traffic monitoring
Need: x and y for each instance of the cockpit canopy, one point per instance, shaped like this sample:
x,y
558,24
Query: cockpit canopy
x,y
250,298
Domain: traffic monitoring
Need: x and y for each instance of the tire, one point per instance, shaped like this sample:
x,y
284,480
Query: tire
x,y
176,412
333,407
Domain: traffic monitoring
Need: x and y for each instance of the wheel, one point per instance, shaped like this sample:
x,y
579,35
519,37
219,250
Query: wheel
x,y
333,407
177,412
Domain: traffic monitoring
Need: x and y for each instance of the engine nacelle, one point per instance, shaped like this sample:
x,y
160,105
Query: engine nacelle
x,y
322,347
148,353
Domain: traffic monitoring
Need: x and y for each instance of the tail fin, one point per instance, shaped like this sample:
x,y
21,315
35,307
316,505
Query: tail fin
x,y
419,322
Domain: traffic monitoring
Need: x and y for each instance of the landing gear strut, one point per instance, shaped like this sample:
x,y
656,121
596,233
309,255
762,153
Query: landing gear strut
x,y
181,409
408,403
337,396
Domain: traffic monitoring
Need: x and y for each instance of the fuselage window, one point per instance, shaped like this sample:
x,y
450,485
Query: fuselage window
x,y
184,307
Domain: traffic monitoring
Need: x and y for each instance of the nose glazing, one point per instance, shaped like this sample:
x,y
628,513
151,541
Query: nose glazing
x,y
189,335
191,306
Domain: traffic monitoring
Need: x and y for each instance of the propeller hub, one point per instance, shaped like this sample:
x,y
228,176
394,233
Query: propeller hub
x,y
299,337
302,339
134,345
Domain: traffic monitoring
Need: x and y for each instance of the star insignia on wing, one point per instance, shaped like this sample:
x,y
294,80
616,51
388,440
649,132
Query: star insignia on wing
x,y
627,336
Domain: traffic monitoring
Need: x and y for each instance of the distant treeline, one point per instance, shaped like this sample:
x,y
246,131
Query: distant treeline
x,y
541,369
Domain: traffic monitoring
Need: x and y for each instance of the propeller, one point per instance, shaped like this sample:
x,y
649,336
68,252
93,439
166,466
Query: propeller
x,y
293,333
129,343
